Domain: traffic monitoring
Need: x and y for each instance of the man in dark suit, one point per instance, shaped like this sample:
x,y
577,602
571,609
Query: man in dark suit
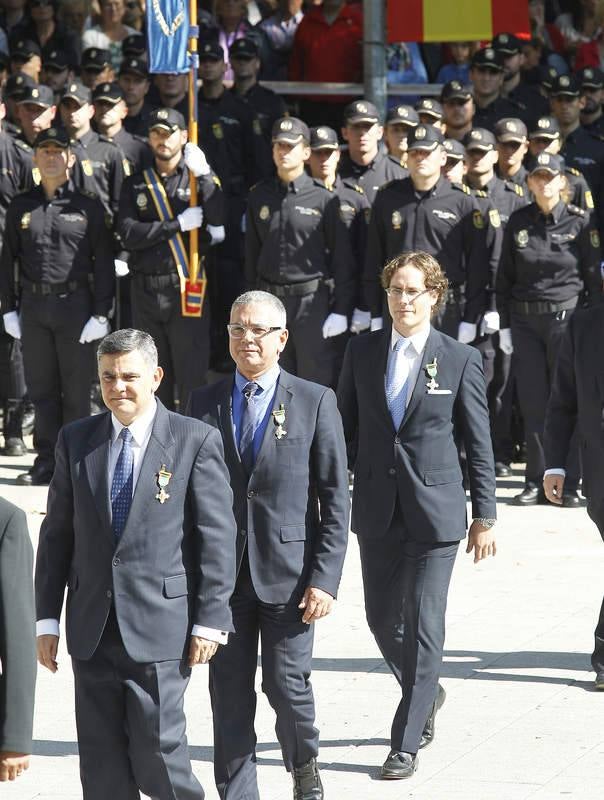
x,y
140,528
406,396
576,403
17,642
284,447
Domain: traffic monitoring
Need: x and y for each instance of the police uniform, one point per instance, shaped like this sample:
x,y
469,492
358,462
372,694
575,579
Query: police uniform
x,y
548,262
593,78
445,222
137,124
135,149
182,341
60,252
297,248
487,116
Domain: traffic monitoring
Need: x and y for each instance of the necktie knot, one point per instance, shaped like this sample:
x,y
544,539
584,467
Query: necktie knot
x,y
249,390
125,435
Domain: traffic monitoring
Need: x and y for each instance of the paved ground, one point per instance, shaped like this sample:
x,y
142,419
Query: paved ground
x,y
521,719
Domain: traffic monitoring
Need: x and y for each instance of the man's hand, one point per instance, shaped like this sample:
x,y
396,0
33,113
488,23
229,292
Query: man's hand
x,y
482,541
553,486
316,603
12,765
47,646
201,650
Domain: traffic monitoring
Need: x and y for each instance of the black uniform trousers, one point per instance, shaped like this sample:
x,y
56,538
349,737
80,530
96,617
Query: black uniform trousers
x,y
58,369
406,583
12,384
537,339
131,725
286,665
183,343
596,512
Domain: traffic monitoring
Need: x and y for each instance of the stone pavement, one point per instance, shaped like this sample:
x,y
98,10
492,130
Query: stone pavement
x,y
521,718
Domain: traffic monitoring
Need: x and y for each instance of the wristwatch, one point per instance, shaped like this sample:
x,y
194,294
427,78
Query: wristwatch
x,y
100,319
485,521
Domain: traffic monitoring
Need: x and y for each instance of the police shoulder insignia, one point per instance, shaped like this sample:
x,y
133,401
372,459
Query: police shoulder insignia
x,y
396,220
594,238
589,200
264,213
358,188
216,180
461,187
573,209
25,220
519,190
126,167
494,218
217,130
573,171
141,200
36,177
22,145
522,238
480,193
478,220
87,167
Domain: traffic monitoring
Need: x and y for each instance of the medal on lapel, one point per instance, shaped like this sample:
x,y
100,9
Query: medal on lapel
x,y
279,422
163,479
431,372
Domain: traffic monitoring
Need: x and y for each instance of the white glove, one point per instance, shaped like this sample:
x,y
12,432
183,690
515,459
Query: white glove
x,y
190,218
334,325
505,341
121,267
217,233
466,332
361,320
490,322
12,324
93,330
377,323
196,160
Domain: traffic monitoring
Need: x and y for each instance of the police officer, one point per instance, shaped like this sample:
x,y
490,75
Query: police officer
x,y
37,111
550,260
155,244
527,95
486,74
591,87
56,285
110,110
426,212
430,112
134,83
512,145
458,109
297,248
13,92
96,67
56,72
400,121
454,169
364,161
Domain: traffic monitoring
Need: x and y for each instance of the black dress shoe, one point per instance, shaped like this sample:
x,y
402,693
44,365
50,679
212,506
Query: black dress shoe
x,y
398,766
599,681
428,732
13,446
37,476
307,781
531,496
502,470
571,499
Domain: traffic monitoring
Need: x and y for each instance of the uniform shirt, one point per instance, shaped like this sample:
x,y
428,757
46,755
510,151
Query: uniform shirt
x,y
585,153
445,222
15,172
267,105
55,241
146,236
294,233
373,176
138,124
100,168
530,100
354,211
263,400
488,116
135,149
548,258
518,178
596,128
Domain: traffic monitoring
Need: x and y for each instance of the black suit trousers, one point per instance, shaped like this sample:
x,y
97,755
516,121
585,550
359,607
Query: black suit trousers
x,y
406,585
286,665
131,725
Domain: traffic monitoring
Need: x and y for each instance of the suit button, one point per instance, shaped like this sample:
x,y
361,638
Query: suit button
x,y
109,593
116,561
251,494
397,440
243,533
391,471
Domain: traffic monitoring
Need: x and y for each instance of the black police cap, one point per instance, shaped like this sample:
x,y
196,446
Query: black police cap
x,y
134,45
243,48
546,161
479,139
95,59
429,108
291,130
52,135
487,58
454,149
134,66
24,49
547,75
109,92
16,84
424,137
507,44
545,128
57,59
360,111
77,91
590,78
455,90
564,85
39,95
167,118
510,129
323,138
405,115
211,51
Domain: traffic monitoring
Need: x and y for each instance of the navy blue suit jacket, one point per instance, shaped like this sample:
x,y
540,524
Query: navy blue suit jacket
x,y
420,461
293,510
174,564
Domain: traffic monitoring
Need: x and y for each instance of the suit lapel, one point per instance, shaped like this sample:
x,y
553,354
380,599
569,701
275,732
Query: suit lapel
x,y
96,461
225,419
381,366
283,395
431,351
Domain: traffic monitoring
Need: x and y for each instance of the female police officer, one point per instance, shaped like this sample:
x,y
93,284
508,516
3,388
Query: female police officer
x,y
550,263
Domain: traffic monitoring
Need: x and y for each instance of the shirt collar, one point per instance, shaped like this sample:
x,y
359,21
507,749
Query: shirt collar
x,y
140,428
266,381
418,340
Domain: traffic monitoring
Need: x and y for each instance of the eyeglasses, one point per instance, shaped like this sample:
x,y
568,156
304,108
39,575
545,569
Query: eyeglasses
x,y
411,294
237,331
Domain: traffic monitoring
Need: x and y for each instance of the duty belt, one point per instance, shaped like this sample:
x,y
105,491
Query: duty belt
x,y
542,307
291,289
159,280
54,288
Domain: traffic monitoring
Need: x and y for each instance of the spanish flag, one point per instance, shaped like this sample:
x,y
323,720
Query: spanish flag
x,y
455,20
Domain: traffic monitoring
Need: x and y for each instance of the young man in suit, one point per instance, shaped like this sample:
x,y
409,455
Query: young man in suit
x,y
17,642
140,528
576,401
284,447
406,396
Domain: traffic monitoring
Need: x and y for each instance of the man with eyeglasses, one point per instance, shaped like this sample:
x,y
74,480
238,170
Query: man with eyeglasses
x,y
284,448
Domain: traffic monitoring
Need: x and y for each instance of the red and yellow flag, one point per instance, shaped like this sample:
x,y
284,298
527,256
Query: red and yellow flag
x,y
455,20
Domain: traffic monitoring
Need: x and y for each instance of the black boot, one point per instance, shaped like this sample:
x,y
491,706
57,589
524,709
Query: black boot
x,y
307,781
13,434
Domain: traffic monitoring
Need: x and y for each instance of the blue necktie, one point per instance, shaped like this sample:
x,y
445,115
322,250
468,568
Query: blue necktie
x,y
121,486
249,423
397,383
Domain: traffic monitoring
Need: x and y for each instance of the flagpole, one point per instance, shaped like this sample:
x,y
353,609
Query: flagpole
x,y
193,135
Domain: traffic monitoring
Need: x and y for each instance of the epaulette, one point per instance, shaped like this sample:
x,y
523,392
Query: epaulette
x,y
358,188
480,193
88,193
573,171
461,187
319,182
103,138
23,145
515,187
573,209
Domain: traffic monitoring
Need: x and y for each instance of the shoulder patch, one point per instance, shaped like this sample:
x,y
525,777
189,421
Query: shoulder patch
x,y
519,189
572,209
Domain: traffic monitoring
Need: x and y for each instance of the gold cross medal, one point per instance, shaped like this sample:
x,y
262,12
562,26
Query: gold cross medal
x,y
431,372
163,479
279,421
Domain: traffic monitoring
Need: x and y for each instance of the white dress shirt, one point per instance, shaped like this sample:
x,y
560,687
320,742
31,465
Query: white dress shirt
x,y
141,430
413,352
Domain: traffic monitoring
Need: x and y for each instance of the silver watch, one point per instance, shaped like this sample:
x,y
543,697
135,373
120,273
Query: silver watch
x,y
485,521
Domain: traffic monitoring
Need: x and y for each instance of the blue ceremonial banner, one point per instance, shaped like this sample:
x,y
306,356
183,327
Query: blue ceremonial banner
x,y
167,35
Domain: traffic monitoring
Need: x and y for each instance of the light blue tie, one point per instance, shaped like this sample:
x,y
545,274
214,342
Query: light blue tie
x,y
397,381
121,486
